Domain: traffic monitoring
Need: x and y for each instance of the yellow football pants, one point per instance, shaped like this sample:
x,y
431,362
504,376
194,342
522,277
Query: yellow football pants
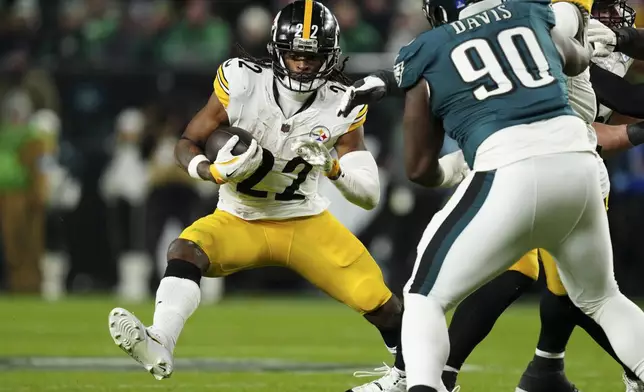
x,y
319,248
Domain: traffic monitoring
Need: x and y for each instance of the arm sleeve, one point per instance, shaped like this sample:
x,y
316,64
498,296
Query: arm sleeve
x,y
231,83
616,93
359,182
630,41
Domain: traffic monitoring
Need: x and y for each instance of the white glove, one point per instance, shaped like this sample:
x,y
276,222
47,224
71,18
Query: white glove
x,y
362,92
454,168
602,38
316,154
236,168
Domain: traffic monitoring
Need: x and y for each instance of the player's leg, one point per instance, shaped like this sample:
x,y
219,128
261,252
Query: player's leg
x,y
585,264
216,245
466,244
329,256
545,372
474,318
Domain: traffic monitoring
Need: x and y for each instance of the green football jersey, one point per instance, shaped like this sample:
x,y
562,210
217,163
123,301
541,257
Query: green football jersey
x,y
489,71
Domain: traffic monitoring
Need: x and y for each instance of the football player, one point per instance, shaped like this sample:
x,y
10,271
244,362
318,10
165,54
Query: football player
x,y
269,210
379,91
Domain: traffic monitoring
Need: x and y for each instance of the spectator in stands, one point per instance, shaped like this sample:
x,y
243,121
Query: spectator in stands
x,y
200,38
254,29
357,35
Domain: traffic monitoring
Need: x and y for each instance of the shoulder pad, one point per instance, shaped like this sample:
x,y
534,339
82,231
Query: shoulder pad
x,y
233,78
584,5
412,60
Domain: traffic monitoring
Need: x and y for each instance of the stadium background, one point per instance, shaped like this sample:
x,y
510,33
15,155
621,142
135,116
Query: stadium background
x,y
104,196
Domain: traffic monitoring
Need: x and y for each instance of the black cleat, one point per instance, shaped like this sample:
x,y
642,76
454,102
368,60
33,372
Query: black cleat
x,y
544,381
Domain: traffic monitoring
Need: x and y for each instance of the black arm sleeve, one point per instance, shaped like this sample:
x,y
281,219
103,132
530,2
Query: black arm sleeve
x,y
630,41
616,93
390,82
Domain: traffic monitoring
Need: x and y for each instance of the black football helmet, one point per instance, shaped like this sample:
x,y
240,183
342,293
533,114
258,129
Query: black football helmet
x,y
305,28
614,13
439,12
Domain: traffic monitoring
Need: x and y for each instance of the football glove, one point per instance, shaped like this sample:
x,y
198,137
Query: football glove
x,y
236,168
362,92
602,38
316,154
454,168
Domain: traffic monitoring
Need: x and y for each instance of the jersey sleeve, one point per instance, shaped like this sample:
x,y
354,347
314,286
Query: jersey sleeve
x,y
359,118
412,60
231,81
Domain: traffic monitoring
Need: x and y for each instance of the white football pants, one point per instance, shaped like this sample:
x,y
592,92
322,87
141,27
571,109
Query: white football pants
x,y
552,202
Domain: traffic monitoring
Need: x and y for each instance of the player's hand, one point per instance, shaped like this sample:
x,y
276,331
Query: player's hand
x,y
236,168
362,92
602,38
316,154
455,169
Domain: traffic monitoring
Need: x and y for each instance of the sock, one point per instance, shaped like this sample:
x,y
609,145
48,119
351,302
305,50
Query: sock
x,y
391,338
176,299
449,377
557,323
421,388
474,318
399,362
425,341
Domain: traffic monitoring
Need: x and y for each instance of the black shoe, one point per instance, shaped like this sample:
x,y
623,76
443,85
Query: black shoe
x,y
544,381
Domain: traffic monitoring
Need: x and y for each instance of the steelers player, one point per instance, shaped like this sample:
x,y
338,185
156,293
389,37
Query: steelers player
x,y
269,211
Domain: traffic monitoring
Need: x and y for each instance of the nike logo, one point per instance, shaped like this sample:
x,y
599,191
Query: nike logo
x,y
231,173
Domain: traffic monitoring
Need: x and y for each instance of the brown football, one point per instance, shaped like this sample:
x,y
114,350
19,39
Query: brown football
x,y
221,136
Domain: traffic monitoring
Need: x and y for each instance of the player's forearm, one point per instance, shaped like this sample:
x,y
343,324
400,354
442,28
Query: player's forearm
x,y
617,93
358,180
186,152
618,138
630,41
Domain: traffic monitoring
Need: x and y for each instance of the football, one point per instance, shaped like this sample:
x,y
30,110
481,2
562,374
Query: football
x,y
221,135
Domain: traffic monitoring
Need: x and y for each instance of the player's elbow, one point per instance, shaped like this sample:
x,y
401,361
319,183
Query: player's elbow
x,y
423,173
371,201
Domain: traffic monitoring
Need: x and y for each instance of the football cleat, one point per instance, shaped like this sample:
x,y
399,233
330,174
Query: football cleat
x,y
132,337
633,385
391,380
544,381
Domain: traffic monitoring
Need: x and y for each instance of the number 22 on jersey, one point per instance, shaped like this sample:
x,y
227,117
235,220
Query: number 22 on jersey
x,y
268,160
476,59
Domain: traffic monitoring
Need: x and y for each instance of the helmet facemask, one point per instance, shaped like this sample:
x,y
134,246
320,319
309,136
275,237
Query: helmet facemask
x,y
306,49
614,14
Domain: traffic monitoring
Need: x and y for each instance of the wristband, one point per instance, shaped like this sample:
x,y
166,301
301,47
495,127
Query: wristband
x,y
194,162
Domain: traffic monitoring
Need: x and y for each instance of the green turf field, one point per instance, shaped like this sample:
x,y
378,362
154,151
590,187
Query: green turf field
x,y
265,345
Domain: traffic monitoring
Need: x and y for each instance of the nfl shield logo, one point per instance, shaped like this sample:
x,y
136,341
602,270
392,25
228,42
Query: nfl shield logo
x,y
286,128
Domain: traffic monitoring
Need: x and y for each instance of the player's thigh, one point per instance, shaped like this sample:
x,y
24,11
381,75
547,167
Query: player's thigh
x,y
472,239
231,243
329,256
553,280
528,265
585,259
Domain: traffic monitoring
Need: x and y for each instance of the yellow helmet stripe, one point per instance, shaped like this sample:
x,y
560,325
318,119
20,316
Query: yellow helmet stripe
x,y
308,14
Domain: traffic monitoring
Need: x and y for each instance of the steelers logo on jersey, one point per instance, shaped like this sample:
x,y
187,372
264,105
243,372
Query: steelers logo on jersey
x,y
320,134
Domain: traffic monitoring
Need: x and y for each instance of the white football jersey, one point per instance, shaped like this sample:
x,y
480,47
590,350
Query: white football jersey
x,y
285,186
617,63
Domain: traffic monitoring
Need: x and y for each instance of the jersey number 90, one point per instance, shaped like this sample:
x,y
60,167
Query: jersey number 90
x,y
490,66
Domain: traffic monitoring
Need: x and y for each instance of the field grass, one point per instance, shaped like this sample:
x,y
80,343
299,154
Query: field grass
x,y
265,345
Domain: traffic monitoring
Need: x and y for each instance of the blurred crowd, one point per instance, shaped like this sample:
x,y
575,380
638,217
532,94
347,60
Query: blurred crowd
x,y
95,93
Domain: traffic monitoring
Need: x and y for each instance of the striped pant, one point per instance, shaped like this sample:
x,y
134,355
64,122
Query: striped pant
x,y
552,202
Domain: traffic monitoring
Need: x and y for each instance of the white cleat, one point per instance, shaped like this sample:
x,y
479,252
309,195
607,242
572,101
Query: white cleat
x,y
391,380
633,385
132,337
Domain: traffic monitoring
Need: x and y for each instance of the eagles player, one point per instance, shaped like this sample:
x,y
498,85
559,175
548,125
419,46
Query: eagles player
x,y
269,211
476,315
574,33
